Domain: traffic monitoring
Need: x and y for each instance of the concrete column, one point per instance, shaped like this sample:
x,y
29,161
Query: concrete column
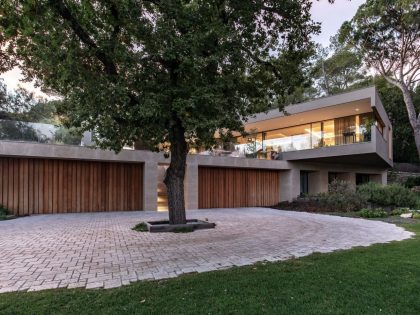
x,y
318,182
289,184
191,187
150,176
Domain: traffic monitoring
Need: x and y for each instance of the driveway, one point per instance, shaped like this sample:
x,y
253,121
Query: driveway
x,y
99,250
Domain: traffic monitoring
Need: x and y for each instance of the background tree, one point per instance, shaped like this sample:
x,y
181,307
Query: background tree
x,y
387,34
16,103
336,68
168,73
404,147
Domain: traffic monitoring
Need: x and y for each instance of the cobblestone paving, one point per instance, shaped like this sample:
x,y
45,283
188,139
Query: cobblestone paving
x,y
99,250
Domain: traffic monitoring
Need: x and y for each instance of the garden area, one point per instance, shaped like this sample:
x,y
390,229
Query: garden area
x,y
370,200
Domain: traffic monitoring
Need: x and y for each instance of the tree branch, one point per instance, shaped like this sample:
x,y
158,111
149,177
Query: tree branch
x,y
66,15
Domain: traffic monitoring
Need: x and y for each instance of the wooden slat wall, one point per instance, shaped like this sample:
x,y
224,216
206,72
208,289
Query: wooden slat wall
x,y
41,186
237,187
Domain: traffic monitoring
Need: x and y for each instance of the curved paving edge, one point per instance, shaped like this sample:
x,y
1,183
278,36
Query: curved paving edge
x,y
99,250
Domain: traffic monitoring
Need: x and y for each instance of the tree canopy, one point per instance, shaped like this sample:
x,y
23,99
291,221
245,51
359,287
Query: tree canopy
x,y
336,68
387,34
168,73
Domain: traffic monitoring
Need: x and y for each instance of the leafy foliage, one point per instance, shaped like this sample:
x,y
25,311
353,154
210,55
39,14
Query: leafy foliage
x,y
341,196
16,103
393,195
387,34
3,212
337,68
399,211
412,182
140,227
404,147
132,70
373,213
166,73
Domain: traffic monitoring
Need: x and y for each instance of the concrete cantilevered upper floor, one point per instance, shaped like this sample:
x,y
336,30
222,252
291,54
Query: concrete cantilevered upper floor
x,y
350,128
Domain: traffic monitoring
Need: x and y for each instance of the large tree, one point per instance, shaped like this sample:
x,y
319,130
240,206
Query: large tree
x,y
404,147
336,68
387,34
167,73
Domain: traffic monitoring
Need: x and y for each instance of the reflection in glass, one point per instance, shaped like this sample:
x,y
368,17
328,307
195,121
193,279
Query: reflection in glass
x,y
338,131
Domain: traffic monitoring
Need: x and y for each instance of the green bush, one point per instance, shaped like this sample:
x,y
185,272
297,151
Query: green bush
x,y
3,212
341,196
373,213
140,227
399,211
416,215
393,195
412,181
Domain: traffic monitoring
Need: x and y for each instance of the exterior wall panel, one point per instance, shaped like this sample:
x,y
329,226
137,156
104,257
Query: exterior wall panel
x,y
237,187
43,186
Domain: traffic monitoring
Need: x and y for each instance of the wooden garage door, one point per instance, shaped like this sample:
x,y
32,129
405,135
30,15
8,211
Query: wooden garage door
x,y
237,187
38,186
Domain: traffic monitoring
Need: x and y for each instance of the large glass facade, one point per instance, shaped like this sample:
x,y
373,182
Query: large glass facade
x,y
338,131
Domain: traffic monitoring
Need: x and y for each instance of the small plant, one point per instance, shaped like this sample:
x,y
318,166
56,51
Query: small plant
x,y
3,212
140,227
373,213
416,215
399,211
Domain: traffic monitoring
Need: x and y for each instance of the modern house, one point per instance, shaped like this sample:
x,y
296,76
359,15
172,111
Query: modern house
x,y
346,136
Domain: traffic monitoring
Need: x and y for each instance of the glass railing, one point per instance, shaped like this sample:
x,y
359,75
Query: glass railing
x,y
257,146
41,133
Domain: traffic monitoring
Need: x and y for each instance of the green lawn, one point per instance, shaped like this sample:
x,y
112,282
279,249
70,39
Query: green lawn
x,y
381,279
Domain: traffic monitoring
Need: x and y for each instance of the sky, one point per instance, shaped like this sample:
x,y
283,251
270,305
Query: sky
x,y
330,15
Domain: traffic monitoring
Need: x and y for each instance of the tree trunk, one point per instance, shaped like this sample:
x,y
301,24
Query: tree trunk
x,y
417,139
175,174
413,118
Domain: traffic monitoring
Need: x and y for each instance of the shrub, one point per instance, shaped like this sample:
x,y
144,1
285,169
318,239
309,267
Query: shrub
x,y
373,213
416,215
412,181
140,227
399,211
341,196
394,195
3,212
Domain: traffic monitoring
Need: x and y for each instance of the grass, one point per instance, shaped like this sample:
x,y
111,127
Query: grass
x,y
380,279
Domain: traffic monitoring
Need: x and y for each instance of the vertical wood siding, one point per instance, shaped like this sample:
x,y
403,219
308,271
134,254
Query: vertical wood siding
x,y
236,187
41,186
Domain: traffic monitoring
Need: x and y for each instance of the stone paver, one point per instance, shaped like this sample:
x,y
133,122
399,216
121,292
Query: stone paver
x,y
99,250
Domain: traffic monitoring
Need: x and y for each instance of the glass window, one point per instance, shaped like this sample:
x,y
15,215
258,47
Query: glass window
x,y
304,182
343,130
317,141
289,139
250,145
328,133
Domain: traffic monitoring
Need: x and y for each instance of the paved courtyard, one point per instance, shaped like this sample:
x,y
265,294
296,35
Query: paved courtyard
x,y
99,250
